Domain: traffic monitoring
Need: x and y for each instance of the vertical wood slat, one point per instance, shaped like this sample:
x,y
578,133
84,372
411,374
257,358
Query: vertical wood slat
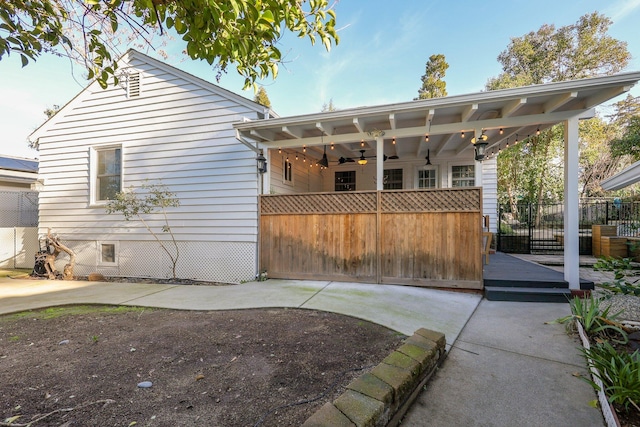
x,y
424,238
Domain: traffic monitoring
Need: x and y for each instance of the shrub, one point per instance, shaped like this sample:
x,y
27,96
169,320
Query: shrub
x,y
619,373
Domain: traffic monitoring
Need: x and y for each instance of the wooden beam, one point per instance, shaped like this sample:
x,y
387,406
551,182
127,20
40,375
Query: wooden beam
x,y
605,96
296,133
263,134
392,120
429,117
468,112
328,130
513,106
358,125
443,144
559,101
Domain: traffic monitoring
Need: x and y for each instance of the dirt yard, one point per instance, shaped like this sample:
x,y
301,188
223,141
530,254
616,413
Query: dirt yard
x,y
81,366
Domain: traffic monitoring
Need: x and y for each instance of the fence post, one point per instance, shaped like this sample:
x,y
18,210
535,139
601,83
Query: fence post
x,y
606,213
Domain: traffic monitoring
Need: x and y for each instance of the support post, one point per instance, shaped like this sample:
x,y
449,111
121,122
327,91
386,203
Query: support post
x,y
380,162
571,201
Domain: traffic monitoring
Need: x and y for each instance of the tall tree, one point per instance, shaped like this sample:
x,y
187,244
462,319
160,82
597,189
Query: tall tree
x,y
221,32
328,106
262,98
433,84
576,51
580,50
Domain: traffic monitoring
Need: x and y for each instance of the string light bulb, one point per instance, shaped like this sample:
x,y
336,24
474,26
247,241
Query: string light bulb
x,y
538,131
304,148
426,138
279,150
462,135
393,141
332,147
362,143
501,131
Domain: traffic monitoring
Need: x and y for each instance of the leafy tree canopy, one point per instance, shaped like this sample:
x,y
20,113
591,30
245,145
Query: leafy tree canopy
x,y
575,51
433,84
221,32
629,143
262,98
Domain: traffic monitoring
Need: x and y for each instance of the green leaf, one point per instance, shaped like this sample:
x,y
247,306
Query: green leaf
x,y
593,403
24,60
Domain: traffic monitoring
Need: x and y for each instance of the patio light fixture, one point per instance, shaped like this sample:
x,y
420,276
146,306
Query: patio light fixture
x,y
262,162
480,145
324,161
362,160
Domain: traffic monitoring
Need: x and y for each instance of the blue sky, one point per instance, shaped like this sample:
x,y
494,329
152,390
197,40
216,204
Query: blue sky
x,y
380,58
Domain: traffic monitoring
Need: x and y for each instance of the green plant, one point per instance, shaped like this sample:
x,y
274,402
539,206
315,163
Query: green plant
x,y
619,373
596,322
622,270
95,339
505,228
157,197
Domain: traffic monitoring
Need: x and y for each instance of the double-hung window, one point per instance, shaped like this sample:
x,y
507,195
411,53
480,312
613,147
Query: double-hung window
x,y
107,173
463,176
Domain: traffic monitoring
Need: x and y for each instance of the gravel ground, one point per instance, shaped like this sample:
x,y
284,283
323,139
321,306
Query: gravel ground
x,y
628,304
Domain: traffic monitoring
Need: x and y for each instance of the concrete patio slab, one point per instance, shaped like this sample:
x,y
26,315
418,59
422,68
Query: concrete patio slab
x,y
402,308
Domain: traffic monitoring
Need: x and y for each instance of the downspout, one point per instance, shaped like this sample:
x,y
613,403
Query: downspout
x,y
260,178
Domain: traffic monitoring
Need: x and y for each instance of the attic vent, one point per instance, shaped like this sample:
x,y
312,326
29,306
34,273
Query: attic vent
x,y
130,82
133,87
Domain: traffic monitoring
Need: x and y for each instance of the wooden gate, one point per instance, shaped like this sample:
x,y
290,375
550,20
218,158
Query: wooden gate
x,y
409,237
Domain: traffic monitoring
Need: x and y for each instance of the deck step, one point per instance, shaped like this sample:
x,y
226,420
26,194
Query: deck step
x,y
500,293
526,283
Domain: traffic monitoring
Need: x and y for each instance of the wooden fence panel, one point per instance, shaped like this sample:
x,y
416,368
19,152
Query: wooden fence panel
x,y
319,246
421,238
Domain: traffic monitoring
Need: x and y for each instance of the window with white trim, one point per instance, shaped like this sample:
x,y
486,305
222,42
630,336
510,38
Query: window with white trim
x,y
463,176
287,171
107,254
106,171
427,178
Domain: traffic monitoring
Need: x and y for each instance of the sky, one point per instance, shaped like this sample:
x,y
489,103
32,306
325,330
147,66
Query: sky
x,y
380,59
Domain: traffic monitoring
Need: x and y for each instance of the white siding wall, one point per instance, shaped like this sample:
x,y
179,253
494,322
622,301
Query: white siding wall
x,y
490,191
178,132
305,179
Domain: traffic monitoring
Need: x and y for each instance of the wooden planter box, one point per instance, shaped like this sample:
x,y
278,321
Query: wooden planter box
x,y
597,231
612,246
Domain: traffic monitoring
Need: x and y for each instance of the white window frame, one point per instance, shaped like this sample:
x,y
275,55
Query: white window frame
x,y
284,171
93,168
116,250
417,177
452,165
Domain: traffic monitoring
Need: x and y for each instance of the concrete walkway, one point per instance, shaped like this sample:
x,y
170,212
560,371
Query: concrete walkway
x,y
401,308
505,366
509,368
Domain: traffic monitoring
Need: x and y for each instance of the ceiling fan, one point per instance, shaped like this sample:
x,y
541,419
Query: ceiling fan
x,y
362,160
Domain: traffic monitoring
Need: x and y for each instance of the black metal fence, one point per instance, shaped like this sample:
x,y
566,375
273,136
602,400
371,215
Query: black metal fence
x,y
539,228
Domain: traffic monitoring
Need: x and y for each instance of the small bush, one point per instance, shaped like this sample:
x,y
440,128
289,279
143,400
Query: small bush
x,y
619,373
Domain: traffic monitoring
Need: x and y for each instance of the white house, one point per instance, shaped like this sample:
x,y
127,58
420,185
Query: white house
x,y
158,124
202,142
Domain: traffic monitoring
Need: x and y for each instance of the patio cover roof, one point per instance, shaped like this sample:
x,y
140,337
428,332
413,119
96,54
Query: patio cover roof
x,y
626,177
502,114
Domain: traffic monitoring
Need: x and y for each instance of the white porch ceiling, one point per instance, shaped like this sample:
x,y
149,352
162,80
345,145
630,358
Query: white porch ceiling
x,y
518,111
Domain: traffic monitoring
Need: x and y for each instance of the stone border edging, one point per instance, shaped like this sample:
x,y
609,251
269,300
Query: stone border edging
x,y
608,413
382,397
